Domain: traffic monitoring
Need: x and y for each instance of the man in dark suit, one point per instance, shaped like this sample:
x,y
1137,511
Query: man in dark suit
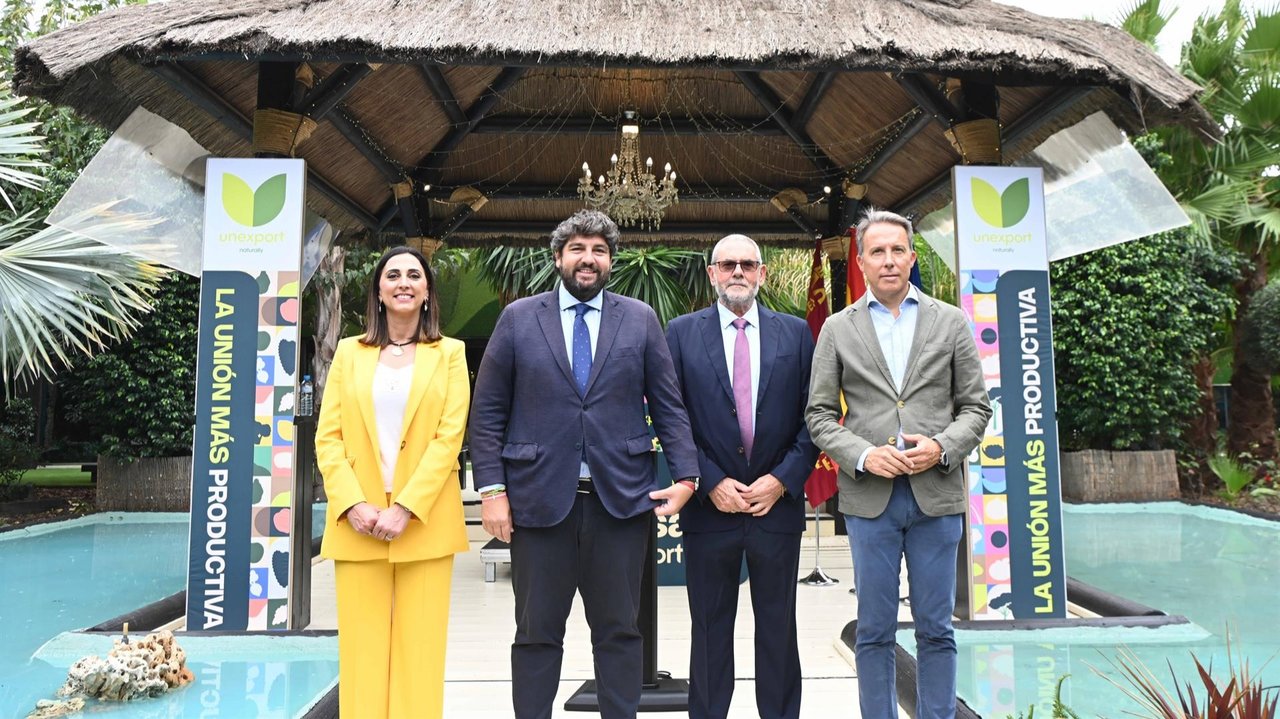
x,y
908,368
744,372
562,459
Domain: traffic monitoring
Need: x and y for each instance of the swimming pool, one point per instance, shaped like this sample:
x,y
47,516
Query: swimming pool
x,y
1218,568
68,575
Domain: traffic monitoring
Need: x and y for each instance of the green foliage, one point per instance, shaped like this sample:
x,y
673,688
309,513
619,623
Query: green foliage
x,y
1144,20
17,454
139,397
665,278
786,287
1234,476
1124,366
1059,709
1261,327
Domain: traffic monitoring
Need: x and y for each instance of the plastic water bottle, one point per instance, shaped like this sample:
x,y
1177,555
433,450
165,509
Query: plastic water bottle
x,y
306,397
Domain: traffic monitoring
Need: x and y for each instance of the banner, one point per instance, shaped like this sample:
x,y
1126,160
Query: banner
x,y
1015,501
242,469
822,482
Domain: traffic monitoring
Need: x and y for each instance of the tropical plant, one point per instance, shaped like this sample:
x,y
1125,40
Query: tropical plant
x,y
60,293
671,280
667,279
1234,476
1244,696
1228,186
1059,710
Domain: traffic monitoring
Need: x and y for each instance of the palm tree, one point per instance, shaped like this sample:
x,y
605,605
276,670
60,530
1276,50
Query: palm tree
x,y
1229,186
60,292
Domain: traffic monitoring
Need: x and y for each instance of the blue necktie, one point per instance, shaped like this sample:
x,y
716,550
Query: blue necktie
x,y
581,348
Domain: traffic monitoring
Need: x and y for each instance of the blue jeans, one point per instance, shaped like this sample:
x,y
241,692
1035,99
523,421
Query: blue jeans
x,y
878,546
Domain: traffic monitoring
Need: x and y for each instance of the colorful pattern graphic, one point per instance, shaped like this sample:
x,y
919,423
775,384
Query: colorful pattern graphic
x,y
990,584
273,454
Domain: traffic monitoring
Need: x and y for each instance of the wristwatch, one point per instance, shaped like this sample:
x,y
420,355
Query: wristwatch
x,y
692,481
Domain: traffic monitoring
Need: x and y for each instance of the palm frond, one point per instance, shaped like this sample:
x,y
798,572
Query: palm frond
x,y
1145,20
63,293
19,148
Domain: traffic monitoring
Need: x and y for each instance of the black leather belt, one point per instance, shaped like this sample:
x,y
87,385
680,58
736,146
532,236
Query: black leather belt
x,y
585,486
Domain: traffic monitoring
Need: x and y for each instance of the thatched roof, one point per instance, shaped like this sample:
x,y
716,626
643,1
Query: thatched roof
x,y
716,81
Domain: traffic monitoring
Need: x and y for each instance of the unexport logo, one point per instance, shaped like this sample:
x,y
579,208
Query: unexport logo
x,y
249,207
1001,209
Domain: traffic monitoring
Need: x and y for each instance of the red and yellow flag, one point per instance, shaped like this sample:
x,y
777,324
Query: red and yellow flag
x,y
855,284
821,484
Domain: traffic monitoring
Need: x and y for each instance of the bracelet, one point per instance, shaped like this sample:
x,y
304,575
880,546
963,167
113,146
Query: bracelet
x,y
688,483
493,494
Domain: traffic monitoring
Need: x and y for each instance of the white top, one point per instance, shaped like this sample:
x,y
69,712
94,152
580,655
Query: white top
x,y
390,397
729,334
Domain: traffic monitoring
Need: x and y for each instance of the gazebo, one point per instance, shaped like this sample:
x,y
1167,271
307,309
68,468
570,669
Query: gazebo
x,y
470,122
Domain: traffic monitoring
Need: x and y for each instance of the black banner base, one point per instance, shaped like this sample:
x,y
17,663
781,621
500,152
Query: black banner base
x,y
668,695
819,578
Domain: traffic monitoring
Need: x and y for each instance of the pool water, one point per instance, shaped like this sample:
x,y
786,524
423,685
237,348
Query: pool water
x,y
69,575
1218,568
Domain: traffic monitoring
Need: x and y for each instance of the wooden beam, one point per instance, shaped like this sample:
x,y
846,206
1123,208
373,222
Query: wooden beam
x,y
770,101
928,97
569,191
454,221
203,97
812,97
544,125
332,90
431,164
899,141
1052,106
365,145
803,222
435,79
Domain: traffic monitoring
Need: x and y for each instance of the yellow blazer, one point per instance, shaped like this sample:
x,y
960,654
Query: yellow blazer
x,y
426,480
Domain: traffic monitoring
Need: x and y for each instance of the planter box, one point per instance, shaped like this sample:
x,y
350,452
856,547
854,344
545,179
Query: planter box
x,y
1095,475
149,484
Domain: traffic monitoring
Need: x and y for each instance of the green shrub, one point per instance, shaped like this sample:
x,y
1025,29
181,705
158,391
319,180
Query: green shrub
x,y
1262,329
138,398
1129,322
17,454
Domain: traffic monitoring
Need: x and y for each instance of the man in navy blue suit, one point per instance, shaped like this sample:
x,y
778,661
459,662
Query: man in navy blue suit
x,y
562,459
744,373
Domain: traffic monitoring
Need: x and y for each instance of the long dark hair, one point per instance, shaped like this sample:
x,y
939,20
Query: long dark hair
x,y
375,319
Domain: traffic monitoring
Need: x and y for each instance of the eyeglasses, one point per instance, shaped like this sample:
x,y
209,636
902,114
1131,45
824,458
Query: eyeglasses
x,y
728,266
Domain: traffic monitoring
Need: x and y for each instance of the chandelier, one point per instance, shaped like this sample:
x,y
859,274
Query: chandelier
x,y
625,193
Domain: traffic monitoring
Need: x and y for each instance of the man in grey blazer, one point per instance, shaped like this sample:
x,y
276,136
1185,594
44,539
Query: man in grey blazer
x,y
563,461
908,367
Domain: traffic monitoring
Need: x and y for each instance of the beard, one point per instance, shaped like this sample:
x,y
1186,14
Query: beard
x,y
583,291
739,303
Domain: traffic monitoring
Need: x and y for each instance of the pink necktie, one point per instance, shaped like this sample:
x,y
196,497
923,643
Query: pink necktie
x,y
742,386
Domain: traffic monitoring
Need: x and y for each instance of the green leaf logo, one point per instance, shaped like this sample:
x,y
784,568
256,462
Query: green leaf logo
x,y
252,208
1001,210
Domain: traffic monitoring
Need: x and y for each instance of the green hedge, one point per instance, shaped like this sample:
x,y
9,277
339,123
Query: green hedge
x,y
1129,322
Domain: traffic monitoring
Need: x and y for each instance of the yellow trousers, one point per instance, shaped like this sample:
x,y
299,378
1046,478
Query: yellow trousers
x,y
392,623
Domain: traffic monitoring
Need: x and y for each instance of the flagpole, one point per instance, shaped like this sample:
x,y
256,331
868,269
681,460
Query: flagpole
x,y
818,578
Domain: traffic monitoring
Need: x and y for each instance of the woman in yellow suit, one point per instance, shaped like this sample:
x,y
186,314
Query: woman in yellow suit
x,y
391,423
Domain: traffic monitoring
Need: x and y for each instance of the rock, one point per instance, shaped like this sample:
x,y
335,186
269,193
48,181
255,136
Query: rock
x,y
147,667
